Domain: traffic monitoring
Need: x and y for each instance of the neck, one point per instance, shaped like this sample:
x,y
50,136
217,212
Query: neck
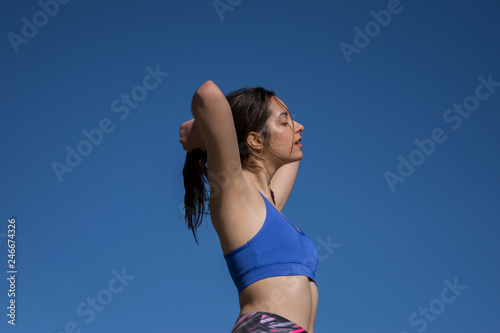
x,y
261,177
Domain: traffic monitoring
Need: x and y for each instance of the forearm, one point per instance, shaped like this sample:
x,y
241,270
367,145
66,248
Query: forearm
x,y
197,136
283,181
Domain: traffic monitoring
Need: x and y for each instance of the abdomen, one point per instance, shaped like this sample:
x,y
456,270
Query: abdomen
x,y
293,297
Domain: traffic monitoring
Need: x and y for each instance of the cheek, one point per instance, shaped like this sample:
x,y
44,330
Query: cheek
x,y
281,138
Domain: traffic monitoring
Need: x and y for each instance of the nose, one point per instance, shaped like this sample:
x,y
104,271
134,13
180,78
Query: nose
x,y
298,127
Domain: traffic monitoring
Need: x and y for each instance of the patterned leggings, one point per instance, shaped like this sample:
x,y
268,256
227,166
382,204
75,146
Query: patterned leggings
x,y
265,322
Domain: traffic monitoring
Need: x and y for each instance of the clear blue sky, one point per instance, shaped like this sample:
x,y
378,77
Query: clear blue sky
x,y
396,221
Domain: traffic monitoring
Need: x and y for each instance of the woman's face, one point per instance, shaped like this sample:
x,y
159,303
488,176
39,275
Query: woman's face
x,y
284,132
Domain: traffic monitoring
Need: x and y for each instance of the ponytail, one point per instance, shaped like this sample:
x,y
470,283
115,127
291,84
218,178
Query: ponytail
x,y
196,196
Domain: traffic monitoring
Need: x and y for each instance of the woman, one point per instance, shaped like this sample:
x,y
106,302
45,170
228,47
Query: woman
x,y
252,149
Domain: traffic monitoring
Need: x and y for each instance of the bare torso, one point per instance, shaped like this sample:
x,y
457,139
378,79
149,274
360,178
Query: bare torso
x,y
237,218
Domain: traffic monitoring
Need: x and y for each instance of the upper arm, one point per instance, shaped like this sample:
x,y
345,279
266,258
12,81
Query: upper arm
x,y
282,183
213,115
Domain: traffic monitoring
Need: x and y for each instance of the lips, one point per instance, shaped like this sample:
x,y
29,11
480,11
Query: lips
x,y
298,141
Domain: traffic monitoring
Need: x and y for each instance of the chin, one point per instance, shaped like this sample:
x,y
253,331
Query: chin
x,y
298,157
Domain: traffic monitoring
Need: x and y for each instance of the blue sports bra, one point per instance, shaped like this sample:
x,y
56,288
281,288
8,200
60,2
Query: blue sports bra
x,y
279,248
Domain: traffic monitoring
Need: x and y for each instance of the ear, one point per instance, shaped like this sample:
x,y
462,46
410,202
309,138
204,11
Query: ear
x,y
255,141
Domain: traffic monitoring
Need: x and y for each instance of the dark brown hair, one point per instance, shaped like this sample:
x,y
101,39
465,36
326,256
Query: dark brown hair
x,y
250,109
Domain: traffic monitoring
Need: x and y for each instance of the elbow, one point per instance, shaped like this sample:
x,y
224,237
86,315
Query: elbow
x,y
206,89
207,94
207,84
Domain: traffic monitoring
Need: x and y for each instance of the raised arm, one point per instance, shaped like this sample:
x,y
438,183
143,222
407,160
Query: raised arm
x,y
215,121
282,183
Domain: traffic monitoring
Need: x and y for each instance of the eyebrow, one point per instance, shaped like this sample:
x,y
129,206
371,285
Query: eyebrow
x,y
283,114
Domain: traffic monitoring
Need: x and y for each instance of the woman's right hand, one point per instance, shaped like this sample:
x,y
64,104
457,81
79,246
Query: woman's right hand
x,y
191,137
